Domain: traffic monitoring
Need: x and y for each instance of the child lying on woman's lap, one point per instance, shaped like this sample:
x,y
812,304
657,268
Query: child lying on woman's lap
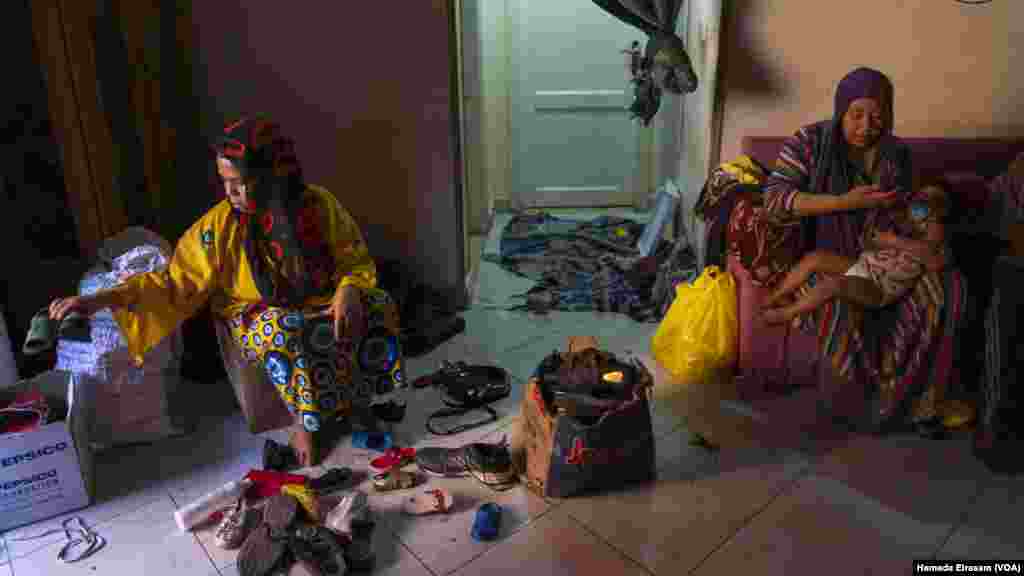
x,y
885,271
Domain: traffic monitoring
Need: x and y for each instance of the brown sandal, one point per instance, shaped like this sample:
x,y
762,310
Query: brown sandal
x,y
264,550
260,554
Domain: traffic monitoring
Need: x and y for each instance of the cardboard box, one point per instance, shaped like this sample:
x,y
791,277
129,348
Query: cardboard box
x,y
47,471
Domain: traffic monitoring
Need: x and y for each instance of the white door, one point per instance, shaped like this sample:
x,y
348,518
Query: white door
x,y
573,143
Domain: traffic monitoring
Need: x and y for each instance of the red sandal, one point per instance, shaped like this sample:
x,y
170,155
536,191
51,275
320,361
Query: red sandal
x,y
394,458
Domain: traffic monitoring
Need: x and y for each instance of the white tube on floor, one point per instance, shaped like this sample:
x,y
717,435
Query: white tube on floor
x,y
199,511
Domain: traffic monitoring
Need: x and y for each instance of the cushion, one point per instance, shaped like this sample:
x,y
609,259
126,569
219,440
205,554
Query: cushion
x,y
969,194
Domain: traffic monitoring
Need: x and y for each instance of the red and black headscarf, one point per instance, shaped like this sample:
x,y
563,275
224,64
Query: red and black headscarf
x,y
282,242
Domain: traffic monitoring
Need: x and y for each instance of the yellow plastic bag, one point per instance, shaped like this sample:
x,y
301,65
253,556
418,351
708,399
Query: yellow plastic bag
x,y
697,339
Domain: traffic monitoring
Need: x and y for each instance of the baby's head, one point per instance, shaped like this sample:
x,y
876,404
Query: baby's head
x,y
929,201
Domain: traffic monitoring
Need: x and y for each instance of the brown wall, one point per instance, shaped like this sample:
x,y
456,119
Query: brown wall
x,y
363,87
958,69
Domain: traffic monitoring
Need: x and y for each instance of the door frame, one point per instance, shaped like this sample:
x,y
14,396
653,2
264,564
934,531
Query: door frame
x,y
62,32
457,138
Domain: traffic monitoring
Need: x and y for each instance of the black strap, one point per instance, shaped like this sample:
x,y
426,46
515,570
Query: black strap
x,y
453,410
463,402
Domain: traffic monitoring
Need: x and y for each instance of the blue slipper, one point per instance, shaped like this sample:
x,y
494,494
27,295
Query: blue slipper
x,y
487,523
378,441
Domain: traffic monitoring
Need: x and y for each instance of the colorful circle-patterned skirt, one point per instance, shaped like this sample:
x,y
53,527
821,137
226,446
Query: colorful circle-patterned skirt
x,y
317,377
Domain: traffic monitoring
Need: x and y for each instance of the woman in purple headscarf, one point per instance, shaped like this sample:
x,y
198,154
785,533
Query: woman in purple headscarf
x,y
829,178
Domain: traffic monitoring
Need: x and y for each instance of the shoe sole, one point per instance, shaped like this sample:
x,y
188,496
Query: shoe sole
x,y
494,478
488,478
433,474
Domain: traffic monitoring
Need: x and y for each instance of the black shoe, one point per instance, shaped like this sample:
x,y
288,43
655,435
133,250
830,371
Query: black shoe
x,y
331,481
279,457
389,411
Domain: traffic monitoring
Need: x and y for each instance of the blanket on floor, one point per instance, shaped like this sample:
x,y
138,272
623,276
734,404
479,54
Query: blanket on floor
x,y
592,265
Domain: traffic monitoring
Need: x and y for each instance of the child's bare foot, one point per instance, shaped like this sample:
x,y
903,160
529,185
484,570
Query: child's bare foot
x,y
304,443
778,300
772,300
776,316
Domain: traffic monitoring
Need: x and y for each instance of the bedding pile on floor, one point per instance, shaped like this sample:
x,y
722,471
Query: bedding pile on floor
x,y
592,265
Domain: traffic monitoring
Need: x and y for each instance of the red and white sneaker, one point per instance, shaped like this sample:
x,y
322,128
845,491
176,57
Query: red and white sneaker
x,y
393,458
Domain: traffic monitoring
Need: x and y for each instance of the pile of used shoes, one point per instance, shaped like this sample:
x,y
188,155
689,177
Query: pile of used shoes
x,y
320,522
324,523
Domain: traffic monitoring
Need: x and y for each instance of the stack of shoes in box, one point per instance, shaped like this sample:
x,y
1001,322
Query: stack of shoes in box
x,y
586,383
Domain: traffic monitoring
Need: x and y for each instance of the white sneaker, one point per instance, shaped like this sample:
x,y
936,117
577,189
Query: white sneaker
x,y
234,527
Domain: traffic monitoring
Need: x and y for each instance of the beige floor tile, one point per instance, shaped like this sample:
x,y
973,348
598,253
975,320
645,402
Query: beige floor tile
x,y
932,481
554,545
822,526
695,505
443,542
146,541
991,528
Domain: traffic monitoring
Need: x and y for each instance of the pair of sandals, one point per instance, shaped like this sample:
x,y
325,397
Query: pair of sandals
x,y
43,331
281,540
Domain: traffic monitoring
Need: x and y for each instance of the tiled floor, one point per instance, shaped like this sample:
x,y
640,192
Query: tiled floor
x,y
768,502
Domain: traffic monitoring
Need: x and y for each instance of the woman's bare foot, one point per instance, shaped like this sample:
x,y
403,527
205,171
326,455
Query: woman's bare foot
x,y
304,443
776,316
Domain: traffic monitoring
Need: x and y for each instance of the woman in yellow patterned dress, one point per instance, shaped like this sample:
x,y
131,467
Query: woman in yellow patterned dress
x,y
286,266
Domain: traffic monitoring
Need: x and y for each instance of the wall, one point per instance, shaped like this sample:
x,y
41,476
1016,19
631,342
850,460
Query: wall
x,y
956,67
364,89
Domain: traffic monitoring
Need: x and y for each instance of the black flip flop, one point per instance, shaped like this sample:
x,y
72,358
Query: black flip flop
x,y
389,411
261,555
279,457
331,481
319,547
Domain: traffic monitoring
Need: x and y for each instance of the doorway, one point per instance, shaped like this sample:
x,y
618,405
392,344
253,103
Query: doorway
x,y
544,97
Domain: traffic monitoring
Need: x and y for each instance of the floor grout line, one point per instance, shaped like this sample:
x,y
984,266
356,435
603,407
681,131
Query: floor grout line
x,y
607,543
786,488
963,517
195,538
525,525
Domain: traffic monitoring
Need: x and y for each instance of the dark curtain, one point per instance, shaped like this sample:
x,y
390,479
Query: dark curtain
x,y
664,65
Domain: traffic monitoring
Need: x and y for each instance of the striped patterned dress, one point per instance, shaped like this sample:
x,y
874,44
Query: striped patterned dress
x,y
903,353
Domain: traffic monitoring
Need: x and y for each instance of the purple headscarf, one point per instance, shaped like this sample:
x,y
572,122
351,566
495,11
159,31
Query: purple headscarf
x,y
865,83
832,170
